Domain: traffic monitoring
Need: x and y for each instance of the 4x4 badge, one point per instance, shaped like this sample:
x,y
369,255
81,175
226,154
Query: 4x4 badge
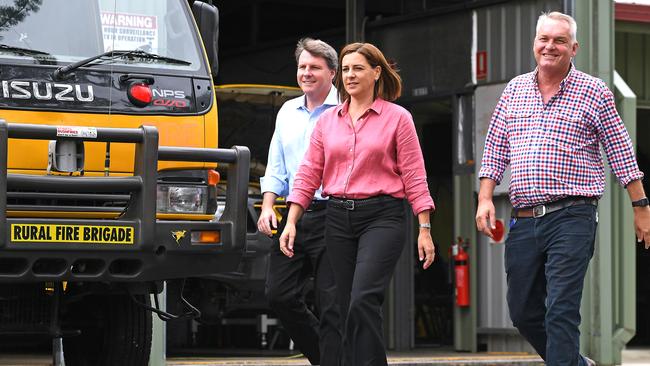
x,y
178,235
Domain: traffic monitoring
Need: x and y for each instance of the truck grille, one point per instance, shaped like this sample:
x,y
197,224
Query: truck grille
x,y
58,201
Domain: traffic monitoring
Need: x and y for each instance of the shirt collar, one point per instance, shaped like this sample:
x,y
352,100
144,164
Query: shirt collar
x,y
563,84
377,106
332,99
302,102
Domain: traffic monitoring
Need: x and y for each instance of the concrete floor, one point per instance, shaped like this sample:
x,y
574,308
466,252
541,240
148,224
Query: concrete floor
x,y
634,357
401,360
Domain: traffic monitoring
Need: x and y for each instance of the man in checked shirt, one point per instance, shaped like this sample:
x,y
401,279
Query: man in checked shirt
x,y
549,125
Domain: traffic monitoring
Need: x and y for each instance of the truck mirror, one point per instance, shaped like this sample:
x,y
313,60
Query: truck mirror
x,y
207,20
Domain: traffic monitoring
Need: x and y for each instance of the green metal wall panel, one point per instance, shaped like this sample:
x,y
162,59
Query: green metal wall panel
x,y
633,56
609,299
465,227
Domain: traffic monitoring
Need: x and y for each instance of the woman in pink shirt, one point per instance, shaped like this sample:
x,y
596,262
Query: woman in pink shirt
x,y
367,156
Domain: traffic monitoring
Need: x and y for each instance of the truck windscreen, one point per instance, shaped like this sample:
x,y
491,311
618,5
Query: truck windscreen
x,y
57,32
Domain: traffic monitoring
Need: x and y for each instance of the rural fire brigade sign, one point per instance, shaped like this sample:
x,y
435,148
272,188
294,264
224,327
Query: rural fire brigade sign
x,y
85,234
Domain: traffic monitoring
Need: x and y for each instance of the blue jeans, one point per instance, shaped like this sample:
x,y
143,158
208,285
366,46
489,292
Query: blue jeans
x,y
546,260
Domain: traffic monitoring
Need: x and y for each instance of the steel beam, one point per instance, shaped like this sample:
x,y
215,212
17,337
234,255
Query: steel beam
x,y
354,13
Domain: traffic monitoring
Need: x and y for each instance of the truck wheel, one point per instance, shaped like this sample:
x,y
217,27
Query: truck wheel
x,y
114,331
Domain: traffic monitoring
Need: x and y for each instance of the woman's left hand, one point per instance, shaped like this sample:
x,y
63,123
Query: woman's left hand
x,y
426,250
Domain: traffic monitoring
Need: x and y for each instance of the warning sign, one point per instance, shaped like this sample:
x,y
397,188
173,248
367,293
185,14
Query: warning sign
x,y
124,31
85,234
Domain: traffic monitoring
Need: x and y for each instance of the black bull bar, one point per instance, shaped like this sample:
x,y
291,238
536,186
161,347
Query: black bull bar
x,y
156,251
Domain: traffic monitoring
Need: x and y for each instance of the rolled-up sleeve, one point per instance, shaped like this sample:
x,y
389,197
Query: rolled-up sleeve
x,y
410,162
616,141
496,155
310,173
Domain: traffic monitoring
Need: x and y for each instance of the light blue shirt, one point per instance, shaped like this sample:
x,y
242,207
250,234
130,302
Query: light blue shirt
x,y
293,127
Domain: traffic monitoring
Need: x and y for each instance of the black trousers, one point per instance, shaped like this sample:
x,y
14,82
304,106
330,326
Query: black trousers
x,y
319,341
364,245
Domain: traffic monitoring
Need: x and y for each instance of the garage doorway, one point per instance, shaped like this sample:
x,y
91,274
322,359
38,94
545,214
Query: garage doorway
x,y
433,300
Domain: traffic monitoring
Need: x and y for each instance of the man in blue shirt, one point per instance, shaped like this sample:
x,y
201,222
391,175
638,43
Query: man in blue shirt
x,y
319,341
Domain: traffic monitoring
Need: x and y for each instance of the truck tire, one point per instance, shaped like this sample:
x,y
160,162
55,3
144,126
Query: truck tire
x,y
114,331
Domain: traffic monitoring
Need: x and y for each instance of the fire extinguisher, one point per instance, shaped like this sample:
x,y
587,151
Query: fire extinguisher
x,y
461,272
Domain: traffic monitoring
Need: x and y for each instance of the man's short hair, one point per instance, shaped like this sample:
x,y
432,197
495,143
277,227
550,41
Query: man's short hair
x,y
318,48
556,15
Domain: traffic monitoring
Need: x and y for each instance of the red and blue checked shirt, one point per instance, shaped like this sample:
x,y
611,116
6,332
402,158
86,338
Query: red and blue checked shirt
x,y
553,149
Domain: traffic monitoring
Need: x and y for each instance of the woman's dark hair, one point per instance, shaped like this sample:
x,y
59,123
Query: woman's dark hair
x,y
389,85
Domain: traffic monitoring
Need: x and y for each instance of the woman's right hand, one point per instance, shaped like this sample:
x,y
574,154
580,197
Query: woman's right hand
x,y
287,238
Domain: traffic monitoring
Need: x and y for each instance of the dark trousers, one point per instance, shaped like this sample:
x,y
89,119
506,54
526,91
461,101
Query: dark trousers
x,y
319,341
364,246
546,260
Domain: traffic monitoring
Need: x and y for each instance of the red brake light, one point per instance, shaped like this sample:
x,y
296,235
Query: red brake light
x,y
140,94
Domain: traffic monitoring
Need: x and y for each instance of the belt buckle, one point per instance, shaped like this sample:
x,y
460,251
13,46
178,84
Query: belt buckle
x,y
349,205
539,211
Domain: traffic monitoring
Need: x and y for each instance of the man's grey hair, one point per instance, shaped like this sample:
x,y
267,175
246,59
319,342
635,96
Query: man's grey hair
x,y
318,48
556,15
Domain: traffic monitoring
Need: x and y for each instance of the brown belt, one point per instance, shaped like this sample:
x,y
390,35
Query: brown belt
x,y
541,210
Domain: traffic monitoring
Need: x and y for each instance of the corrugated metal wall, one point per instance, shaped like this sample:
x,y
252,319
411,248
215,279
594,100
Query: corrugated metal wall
x,y
432,53
494,327
506,34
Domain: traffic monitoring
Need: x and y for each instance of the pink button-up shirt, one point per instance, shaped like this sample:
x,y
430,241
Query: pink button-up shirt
x,y
380,155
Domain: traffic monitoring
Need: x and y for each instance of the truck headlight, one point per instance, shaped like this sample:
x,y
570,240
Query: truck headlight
x,y
182,199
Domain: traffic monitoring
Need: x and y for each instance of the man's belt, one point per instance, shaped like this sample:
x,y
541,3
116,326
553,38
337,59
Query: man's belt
x,y
317,205
541,210
354,204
